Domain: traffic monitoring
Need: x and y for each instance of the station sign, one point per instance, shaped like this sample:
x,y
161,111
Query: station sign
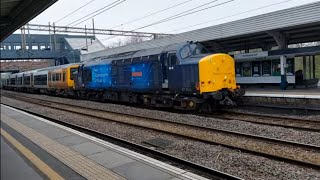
x,y
251,55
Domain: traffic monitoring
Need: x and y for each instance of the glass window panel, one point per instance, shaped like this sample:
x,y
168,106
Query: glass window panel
x,y
290,67
238,69
276,70
256,70
266,68
246,69
317,65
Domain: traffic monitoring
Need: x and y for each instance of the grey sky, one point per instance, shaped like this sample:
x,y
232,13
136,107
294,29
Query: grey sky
x,y
132,9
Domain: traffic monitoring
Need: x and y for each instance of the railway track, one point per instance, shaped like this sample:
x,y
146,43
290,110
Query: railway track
x,y
288,122
298,153
196,168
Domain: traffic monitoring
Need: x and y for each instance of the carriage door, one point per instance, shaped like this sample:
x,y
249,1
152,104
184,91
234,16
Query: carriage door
x,y
168,60
49,79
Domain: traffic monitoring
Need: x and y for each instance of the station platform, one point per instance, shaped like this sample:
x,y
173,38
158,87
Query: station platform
x,y
290,93
35,148
307,98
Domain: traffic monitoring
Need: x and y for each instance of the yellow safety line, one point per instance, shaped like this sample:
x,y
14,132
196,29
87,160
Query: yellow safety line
x,y
44,168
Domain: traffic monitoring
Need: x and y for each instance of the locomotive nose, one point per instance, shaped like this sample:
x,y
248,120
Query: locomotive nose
x,y
216,72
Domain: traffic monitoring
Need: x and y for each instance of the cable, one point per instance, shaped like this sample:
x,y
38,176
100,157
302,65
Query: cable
x,y
182,15
262,7
179,15
74,11
100,12
103,9
148,15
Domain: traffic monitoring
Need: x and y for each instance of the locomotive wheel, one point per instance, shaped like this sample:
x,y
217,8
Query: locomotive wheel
x,y
205,108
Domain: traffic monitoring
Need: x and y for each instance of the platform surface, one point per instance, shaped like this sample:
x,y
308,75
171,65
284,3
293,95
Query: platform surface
x,y
11,161
313,93
79,155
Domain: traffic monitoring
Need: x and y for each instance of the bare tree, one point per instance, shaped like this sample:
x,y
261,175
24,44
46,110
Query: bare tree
x,y
133,40
126,41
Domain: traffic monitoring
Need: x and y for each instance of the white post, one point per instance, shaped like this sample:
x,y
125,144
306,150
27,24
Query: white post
x,y
283,62
283,65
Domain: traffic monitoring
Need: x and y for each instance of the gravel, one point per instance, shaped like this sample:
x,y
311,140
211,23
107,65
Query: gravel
x,y
283,133
228,160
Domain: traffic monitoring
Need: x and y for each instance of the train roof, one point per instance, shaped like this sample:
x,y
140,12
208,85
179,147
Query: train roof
x,y
45,69
139,53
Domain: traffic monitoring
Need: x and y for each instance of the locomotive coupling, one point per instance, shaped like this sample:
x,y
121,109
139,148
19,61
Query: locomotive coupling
x,y
215,95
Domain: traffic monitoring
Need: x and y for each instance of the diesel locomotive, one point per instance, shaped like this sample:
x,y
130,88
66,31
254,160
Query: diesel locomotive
x,y
182,76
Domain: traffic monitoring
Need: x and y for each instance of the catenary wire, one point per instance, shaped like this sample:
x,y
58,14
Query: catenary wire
x,y
74,11
97,12
182,15
179,15
255,9
151,14
100,12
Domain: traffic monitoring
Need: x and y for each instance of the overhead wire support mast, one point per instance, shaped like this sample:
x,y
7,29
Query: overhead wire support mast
x,y
93,31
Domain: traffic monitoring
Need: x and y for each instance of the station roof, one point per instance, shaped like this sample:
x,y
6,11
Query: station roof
x,y
80,43
298,24
16,13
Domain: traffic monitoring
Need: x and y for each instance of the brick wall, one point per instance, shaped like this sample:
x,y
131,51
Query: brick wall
x,y
24,65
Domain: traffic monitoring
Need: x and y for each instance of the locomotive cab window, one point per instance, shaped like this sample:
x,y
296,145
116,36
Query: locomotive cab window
x,y
185,52
172,59
198,49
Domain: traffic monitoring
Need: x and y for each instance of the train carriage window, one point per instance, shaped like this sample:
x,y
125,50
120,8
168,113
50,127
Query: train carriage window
x,y
246,69
40,79
256,70
60,77
26,80
238,69
13,81
19,81
266,68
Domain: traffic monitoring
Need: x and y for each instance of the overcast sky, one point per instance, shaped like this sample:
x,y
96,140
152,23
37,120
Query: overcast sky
x,y
133,9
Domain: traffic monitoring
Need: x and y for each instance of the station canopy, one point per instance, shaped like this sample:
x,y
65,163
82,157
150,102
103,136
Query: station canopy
x,y
16,13
296,25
